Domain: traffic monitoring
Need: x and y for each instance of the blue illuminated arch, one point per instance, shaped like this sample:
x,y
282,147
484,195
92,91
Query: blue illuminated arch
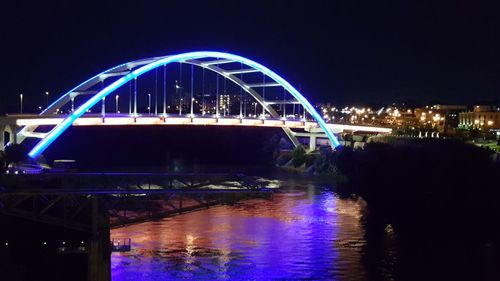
x,y
61,127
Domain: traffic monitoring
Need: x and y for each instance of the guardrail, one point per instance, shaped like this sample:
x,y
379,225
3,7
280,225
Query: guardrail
x,y
121,244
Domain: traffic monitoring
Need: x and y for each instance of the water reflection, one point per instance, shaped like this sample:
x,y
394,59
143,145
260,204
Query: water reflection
x,y
305,233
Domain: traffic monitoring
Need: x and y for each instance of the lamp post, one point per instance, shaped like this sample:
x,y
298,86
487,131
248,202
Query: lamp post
x,y
116,103
149,104
103,107
21,99
46,99
178,92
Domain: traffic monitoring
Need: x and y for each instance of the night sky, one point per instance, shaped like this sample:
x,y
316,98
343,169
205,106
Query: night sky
x,y
337,51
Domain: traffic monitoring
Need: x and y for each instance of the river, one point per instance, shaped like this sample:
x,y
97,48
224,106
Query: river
x,y
303,232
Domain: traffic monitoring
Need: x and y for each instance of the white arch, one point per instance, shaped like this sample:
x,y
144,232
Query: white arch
x,y
150,64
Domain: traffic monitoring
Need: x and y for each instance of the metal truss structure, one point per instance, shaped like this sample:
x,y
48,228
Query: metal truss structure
x,y
74,199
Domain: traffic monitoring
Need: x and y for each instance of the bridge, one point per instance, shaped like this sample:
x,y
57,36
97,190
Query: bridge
x,y
308,128
90,204
263,98
35,196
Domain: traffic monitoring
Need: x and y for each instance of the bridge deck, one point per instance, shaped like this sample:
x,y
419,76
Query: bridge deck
x,y
172,119
126,119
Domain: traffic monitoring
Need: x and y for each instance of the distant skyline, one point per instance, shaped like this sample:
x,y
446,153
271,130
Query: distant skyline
x,y
344,52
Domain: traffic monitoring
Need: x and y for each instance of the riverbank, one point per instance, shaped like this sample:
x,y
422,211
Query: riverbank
x,y
37,251
414,183
434,201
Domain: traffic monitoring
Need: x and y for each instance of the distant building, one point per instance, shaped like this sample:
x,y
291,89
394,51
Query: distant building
x,y
207,104
444,118
225,103
483,108
482,117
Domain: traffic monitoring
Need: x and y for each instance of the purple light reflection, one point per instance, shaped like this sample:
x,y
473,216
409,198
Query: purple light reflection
x,y
296,235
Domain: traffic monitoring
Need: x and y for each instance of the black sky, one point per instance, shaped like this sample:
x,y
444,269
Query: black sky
x,y
338,51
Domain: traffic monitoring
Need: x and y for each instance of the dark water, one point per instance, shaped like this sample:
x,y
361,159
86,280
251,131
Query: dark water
x,y
304,233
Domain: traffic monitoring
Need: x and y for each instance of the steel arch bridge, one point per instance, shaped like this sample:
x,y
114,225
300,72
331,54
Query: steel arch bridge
x,y
126,72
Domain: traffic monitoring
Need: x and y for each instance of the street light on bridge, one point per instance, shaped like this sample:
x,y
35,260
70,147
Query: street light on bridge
x,y
149,104
103,107
46,99
116,103
178,92
21,99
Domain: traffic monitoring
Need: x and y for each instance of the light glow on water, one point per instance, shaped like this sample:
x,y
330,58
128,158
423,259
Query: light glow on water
x,y
300,234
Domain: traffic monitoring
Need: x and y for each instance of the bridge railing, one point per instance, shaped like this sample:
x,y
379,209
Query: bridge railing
x,y
121,244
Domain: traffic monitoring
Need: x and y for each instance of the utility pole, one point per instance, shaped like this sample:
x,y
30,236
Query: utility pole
x,y
103,107
21,98
192,86
135,96
46,99
149,104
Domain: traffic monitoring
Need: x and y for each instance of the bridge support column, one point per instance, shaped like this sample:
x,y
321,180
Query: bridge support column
x,y
2,137
290,134
99,250
12,130
312,143
13,134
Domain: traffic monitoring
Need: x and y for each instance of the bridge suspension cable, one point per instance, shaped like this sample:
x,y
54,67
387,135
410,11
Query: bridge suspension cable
x,y
156,91
135,96
284,103
263,94
130,86
192,88
203,108
241,93
180,90
224,98
103,104
217,96
164,90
